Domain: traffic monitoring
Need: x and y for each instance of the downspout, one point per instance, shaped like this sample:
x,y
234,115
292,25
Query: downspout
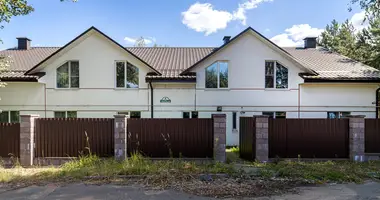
x,y
45,98
299,100
377,103
151,99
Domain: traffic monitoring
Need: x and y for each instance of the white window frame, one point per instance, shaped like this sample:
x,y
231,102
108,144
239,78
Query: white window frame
x,y
274,76
125,75
65,111
56,75
218,77
9,115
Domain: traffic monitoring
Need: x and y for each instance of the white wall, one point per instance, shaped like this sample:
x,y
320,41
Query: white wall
x,y
246,95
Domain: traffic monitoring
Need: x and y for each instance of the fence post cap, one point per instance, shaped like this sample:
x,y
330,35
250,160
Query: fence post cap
x,y
355,116
30,115
121,116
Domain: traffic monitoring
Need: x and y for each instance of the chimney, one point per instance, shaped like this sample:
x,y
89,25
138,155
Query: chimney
x,y
226,39
310,42
23,43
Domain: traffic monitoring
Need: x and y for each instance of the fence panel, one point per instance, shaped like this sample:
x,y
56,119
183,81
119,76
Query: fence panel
x,y
9,139
247,138
309,138
57,137
162,138
372,135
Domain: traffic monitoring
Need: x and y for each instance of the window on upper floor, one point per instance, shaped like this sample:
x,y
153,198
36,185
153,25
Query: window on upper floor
x,y
65,114
68,75
217,75
132,114
276,75
127,75
9,116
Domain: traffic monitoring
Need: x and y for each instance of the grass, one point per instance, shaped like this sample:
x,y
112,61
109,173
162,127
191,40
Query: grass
x,y
322,172
91,165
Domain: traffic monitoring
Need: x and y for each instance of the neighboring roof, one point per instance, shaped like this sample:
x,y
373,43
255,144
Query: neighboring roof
x,y
84,33
331,65
171,61
174,63
17,76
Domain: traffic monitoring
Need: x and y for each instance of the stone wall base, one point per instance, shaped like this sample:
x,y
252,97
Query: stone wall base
x,y
52,161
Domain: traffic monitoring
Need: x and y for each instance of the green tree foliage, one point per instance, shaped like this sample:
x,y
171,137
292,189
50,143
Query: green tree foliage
x,y
140,42
363,46
372,7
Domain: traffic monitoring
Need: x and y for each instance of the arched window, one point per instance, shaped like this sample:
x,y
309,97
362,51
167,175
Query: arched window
x,y
68,75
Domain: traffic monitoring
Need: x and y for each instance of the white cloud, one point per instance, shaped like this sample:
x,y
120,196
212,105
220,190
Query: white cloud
x,y
240,13
267,30
204,18
357,21
148,40
294,36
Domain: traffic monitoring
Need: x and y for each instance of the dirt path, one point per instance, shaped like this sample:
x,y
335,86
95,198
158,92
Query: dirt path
x,y
370,190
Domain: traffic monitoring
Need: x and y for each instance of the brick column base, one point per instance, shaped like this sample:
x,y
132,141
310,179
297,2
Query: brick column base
x,y
27,139
262,146
120,137
357,139
219,137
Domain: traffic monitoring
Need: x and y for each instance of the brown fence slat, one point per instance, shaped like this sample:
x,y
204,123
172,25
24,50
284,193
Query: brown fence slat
x,y
9,140
247,140
189,138
66,137
308,138
372,135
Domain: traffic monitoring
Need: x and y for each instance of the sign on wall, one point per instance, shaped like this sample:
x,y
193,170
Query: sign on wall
x,y
165,100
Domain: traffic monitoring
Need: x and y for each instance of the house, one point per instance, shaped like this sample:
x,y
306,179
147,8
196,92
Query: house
x,y
94,76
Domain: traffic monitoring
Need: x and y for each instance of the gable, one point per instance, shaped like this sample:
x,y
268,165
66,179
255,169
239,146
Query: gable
x,y
264,40
78,40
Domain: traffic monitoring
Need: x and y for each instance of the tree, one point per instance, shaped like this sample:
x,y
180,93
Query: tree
x,y
140,42
372,7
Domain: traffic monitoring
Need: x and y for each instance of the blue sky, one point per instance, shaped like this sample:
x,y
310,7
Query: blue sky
x,y
176,22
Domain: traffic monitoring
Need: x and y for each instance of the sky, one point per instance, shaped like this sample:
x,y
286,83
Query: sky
x,y
177,23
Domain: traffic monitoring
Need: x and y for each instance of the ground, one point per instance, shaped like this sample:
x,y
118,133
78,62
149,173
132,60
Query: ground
x,y
369,190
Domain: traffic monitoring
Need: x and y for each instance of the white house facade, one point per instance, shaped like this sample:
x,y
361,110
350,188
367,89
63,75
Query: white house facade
x,y
93,76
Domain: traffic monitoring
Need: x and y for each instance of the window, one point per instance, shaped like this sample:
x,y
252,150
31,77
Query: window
x,y
194,114
65,114
276,75
234,120
278,115
217,75
127,75
186,115
68,75
132,114
9,116
337,115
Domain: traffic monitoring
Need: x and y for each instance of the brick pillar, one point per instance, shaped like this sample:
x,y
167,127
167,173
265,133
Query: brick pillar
x,y
219,137
357,139
120,137
27,139
262,146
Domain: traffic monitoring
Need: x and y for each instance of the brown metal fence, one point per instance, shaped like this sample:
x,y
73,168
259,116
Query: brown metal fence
x,y
188,138
56,137
247,138
309,138
372,135
9,139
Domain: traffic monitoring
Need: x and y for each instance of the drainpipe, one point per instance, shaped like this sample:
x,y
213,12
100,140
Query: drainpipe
x,y
377,103
151,99
299,100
